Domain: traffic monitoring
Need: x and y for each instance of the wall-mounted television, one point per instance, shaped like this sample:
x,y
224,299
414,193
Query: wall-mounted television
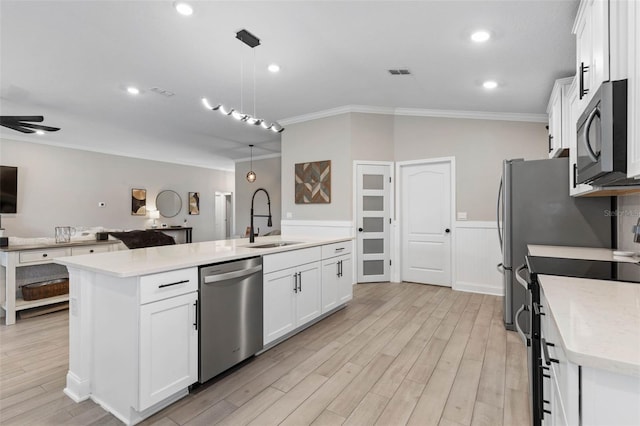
x,y
8,189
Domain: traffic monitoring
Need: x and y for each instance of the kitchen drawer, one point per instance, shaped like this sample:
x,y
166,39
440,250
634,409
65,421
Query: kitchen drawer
x,y
168,284
336,249
42,255
76,251
290,259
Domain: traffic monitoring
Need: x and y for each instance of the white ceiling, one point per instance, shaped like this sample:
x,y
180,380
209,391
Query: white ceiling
x,y
71,61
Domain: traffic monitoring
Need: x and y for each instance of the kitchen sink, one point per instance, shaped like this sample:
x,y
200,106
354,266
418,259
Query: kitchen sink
x,y
275,245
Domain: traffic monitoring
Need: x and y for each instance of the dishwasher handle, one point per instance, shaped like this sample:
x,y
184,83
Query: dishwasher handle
x,y
231,275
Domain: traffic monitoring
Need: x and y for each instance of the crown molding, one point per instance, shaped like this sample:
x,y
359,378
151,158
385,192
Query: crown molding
x,y
255,158
56,144
347,109
473,115
416,112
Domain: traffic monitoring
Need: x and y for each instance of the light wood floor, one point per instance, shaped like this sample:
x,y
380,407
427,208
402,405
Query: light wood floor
x,y
398,354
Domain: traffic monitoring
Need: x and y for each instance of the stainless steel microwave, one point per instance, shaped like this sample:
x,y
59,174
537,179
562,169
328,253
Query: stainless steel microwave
x,y
602,138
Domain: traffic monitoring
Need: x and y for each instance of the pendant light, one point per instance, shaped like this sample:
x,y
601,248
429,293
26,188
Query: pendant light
x,y
251,176
252,41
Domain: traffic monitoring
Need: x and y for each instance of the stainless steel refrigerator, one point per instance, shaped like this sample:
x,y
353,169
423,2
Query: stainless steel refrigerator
x,y
534,207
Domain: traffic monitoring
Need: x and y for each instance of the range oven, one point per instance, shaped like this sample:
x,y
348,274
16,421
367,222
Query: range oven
x,y
527,276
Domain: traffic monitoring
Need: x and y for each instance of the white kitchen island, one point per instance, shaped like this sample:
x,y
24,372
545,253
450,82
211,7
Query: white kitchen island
x,y
133,338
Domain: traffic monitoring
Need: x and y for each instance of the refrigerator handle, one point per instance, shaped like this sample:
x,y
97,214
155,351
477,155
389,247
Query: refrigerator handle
x,y
520,278
498,213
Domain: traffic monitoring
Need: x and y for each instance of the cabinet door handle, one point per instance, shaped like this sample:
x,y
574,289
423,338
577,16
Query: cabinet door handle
x,y
550,148
195,321
170,284
44,254
295,282
338,267
583,69
91,251
545,352
300,282
341,268
575,175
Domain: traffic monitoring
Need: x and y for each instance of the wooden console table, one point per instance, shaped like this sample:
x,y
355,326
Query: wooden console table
x,y
28,256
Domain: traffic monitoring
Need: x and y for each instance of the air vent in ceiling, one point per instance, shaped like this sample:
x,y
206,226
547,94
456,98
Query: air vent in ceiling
x,y
400,71
162,92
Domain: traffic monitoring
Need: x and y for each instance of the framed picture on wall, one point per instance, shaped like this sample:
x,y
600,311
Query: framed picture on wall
x,y
138,202
194,203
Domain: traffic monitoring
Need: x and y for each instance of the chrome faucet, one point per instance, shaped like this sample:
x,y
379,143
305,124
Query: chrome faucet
x,y
252,237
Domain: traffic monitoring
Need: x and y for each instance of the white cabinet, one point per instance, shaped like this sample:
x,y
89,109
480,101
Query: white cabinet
x,y
559,124
152,322
633,148
337,276
292,291
592,48
168,348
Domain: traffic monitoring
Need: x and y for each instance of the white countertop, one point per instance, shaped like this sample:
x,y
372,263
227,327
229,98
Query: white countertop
x,y
144,261
599,321
587,253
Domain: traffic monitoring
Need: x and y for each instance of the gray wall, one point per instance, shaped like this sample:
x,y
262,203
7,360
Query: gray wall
x,y
318,140
629,210
268,177
61,186
479,147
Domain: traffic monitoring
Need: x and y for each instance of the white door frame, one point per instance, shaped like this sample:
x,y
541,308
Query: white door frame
x,y
232,219
396,252
354,211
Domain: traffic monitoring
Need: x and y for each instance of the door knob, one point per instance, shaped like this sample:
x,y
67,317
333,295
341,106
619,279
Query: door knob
x,y
360,229
447,230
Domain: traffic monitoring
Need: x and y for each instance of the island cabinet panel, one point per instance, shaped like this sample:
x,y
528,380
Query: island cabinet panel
x,y
168,348
279,304
308,301
337,276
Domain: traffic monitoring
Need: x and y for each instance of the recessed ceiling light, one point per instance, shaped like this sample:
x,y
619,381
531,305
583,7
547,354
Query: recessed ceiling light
x,y
489,84
133,90
480,36
183,8
273,68
39,132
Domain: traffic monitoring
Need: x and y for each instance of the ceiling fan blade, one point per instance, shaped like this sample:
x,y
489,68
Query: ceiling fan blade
x,y
18,118
17,127
40,127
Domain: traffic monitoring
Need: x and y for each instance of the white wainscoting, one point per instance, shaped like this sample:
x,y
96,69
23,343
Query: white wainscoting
x,y
476,254
317,228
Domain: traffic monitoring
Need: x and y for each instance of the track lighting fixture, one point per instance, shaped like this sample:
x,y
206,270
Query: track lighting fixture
x,y
252,41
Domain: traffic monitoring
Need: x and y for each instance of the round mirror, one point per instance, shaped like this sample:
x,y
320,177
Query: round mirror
x,y
168,203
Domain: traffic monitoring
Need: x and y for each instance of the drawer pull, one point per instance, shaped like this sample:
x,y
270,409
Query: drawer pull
x,y
170,284
340,249
91,251
547,359
44,255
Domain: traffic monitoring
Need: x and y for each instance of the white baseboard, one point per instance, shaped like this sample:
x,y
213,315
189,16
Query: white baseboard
x,y
477,288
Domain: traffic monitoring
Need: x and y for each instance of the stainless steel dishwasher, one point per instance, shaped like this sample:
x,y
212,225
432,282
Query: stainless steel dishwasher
x,y
230,315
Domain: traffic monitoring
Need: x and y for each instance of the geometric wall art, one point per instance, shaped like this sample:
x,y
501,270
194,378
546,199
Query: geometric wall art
x,y
138,202
313,182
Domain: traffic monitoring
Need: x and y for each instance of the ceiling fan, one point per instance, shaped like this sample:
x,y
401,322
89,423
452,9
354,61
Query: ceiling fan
x,y
21,123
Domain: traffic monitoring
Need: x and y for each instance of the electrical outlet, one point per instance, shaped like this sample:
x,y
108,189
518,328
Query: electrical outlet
x,y
102,204
462,215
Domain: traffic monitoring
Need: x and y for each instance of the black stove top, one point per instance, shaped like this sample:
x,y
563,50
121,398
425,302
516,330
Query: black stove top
x,y
579,268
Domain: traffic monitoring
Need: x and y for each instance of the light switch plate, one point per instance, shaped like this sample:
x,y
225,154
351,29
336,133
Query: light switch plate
x,y
462,215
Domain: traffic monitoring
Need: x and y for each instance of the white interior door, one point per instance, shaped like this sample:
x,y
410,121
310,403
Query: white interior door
x,y
425,201
373,221
221,216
